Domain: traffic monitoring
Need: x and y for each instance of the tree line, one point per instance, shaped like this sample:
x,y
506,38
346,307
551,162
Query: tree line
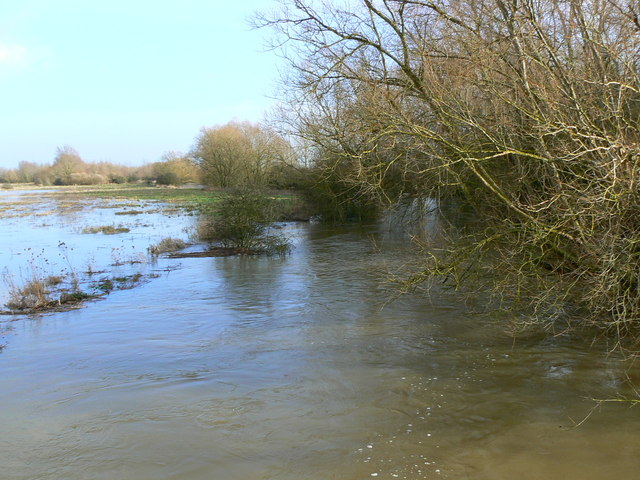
x,y
229,155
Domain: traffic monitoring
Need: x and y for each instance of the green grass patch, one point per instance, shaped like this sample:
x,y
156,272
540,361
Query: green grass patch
x,y
189,199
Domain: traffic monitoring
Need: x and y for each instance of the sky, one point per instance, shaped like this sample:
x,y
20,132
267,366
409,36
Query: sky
x,y
126,81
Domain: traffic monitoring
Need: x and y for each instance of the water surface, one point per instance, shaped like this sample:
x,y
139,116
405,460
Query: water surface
x,y
290,368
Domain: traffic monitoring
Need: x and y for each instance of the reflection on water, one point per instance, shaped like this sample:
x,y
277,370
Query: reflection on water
x,y
289,368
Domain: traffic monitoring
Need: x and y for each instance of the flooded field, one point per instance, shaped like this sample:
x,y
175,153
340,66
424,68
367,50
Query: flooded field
x,y
86,238
283,367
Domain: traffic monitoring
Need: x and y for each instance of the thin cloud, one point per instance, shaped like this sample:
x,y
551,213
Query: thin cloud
x,y
20,57
14,56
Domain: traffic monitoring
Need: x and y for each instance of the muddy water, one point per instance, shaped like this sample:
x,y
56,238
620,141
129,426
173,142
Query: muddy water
x,y
289,368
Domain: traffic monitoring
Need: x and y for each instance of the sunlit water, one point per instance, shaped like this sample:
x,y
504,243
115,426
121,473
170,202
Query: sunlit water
x,y
290,368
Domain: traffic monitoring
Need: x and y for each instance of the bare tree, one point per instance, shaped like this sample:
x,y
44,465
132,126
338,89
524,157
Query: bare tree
x,y
174,169
67,162
527,109
238,153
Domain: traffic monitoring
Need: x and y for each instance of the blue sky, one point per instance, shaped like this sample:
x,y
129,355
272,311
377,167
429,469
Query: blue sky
x,y
126,81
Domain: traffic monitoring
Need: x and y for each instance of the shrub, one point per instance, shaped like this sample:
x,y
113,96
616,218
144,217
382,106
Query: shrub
x,y
243,220
168,178
118,179
33,294
166,245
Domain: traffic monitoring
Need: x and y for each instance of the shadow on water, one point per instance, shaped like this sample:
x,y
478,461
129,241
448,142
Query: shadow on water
x,y
294,368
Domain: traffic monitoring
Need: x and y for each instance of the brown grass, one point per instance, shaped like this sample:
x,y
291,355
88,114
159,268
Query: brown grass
x,y
167,245
30,296
106,230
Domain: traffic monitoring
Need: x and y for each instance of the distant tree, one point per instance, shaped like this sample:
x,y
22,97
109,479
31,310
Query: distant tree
x,y
66,162
27,171
69,169
116,178
4,175
174,169
238,153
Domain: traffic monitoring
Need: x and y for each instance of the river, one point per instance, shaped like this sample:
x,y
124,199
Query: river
x,y
295,367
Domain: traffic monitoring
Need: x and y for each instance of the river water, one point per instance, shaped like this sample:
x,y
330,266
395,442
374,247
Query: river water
x,y
295,368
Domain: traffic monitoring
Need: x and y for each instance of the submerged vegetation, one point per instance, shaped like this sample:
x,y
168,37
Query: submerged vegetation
x,y
167,245
106,229
32,295
37,295
56,293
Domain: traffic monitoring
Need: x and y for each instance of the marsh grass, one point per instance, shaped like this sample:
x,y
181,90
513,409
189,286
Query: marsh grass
x,y
166,245
118,205
106,230
130,212
30,296
37,296
39,291
18,214
42,292
53,280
